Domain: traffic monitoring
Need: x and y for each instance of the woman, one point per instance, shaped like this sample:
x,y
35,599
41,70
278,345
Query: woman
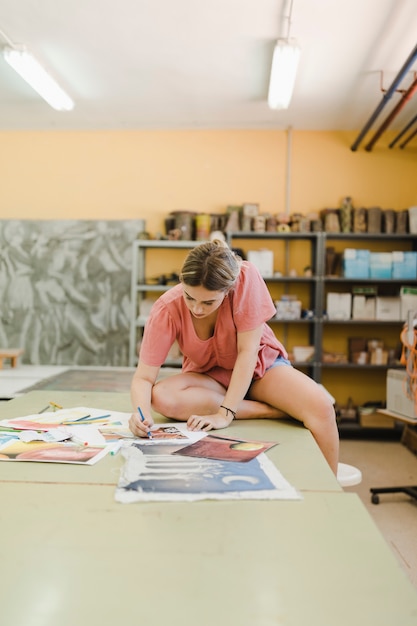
x,y
233,365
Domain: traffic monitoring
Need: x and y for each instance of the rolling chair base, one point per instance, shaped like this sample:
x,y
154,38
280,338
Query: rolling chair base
x,y
410,491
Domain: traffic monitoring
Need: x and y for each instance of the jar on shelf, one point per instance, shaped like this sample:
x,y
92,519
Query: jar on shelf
x,y
185,223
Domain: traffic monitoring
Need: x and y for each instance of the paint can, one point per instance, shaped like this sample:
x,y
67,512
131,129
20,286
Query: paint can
x,y
202,226
184,223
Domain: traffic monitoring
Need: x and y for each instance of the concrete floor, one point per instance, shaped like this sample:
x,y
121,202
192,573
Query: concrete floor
x,y
386,463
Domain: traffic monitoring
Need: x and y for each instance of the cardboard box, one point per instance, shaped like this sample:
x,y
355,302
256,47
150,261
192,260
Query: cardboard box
x,y
374,344
399,395
412,218
388,308
359,358
363,307
370,418
263,260
358,351
364,302
404,264
288,309
378,356
356,263
408,299
339,306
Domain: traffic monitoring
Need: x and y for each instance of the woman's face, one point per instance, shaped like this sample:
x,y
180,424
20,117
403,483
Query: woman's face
x,y
202,302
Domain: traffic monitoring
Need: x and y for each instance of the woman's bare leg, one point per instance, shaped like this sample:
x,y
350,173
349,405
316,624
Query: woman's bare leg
x,y
299,396
283,391
182,395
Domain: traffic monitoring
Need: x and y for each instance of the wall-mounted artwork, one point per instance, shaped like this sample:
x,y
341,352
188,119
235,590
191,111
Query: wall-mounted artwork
x,y
65,290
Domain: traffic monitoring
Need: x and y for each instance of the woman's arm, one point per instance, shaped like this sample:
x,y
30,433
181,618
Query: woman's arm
x,y
247,356
141,393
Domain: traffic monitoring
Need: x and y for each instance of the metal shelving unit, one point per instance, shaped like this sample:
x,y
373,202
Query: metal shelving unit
x,y
314,282
317,285
139,286
320,284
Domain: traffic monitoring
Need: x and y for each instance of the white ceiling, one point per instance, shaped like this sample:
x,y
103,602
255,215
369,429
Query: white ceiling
x,y
159,64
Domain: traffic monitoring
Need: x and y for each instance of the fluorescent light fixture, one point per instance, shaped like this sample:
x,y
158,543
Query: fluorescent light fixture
x,y
283,72
25,64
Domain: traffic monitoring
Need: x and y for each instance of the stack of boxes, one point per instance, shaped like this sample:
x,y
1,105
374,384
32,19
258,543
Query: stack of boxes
x,y
356,263
381,265
363,302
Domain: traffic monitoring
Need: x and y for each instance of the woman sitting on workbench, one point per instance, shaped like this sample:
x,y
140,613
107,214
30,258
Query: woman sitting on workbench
x,y
233,365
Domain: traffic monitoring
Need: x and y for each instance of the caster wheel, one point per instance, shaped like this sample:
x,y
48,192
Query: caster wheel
x,y
375,498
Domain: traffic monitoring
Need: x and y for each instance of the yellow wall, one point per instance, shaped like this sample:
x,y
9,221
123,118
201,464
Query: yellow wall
x,y
147,174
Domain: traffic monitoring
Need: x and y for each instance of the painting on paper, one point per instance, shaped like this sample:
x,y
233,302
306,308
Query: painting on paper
x,y
151,476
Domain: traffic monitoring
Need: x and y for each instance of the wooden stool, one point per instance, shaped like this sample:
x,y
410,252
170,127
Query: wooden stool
x,y
10,353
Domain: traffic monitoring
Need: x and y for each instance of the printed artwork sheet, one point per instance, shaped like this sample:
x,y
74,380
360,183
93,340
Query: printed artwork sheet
x,y
64,417
172,433
80,435
71,435
59,452
225,448
155,474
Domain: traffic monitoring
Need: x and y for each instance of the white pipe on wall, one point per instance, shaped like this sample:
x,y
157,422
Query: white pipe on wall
x,y
288,173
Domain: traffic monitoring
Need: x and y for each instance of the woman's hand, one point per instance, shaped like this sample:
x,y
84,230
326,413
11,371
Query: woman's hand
x,y
138,427
208,422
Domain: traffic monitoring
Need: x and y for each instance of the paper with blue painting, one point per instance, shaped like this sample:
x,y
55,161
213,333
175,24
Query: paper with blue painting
x,y
149,476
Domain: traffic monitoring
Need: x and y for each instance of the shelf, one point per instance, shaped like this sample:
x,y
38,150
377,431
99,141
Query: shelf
x,y
166,243
275,235
300,320
354,428
140,285
384,281
357,366
290,279
369,236
362,322
155,288
303,364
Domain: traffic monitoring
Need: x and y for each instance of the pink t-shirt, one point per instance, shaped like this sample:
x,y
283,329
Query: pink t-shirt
x,y
245,308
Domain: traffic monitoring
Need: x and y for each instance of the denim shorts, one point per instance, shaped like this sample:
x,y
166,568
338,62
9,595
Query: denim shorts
x,y
280,360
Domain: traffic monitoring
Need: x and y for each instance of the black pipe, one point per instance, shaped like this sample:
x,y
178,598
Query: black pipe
x,y
387,95
409,138
398,107
404,130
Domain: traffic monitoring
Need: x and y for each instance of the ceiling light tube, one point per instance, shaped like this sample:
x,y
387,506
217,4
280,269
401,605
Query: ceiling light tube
x,y
283,71
25,64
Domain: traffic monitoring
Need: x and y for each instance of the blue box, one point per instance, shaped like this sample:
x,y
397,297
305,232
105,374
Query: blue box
x,y
356,263
380,265
404,264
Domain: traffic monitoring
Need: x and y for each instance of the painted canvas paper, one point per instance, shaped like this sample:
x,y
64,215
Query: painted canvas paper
x,y
226,449
165,434
170,477
35,451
